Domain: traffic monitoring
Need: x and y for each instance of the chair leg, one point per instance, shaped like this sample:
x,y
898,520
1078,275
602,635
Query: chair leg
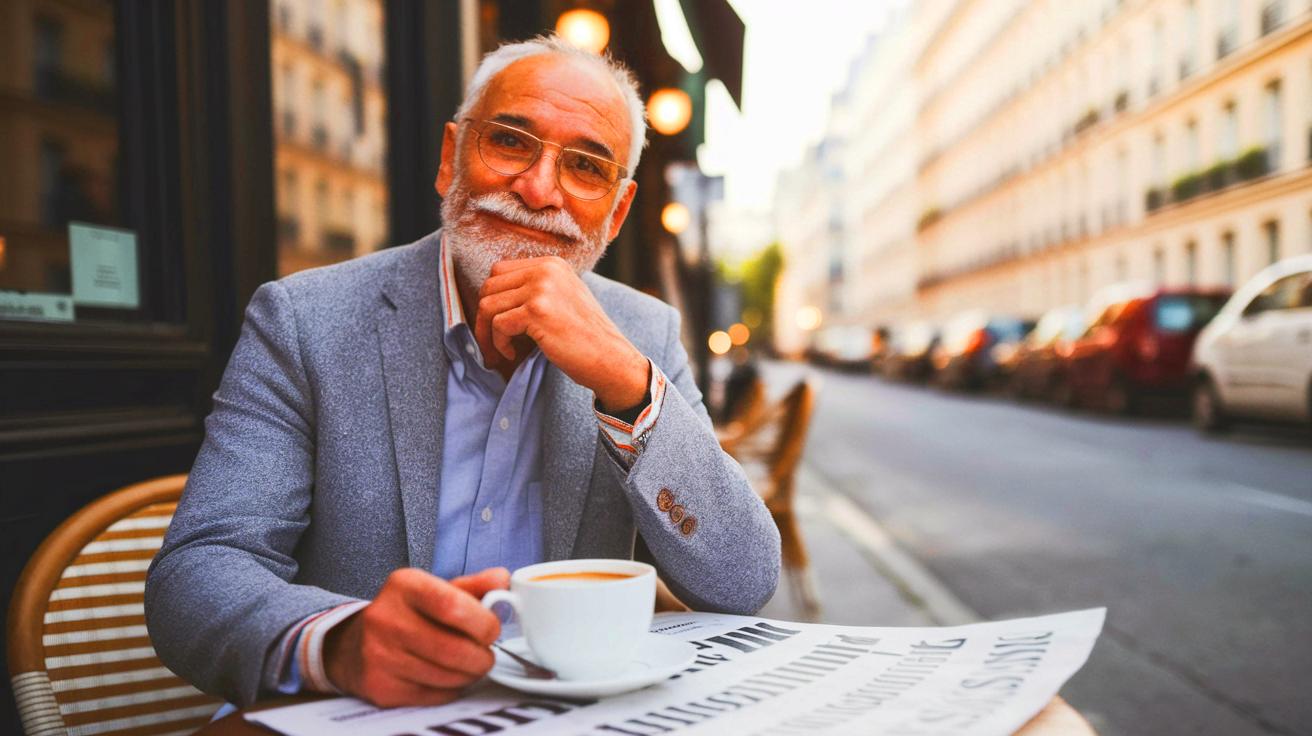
x,y
797,563
804,591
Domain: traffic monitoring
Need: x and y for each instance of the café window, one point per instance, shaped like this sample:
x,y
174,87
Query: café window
x,y
67,253
340,148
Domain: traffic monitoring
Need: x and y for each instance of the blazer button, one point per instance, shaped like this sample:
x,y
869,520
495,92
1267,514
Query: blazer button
x,y
665,500
688,526
677,513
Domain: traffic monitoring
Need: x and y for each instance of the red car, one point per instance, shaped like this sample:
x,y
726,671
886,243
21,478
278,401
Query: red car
x,y
1139,346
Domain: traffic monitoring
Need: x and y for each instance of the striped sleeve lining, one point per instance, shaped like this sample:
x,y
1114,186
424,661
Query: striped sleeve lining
x,y
627,438
305,642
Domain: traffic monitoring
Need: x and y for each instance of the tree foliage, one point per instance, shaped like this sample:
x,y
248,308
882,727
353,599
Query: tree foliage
x,y
756,278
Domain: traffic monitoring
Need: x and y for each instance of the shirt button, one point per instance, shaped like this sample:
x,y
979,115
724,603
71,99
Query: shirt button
x,y
469,348
505,423
487,514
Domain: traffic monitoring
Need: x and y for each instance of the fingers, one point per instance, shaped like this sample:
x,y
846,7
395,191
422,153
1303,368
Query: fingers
x,y
445,604
519,264
481,583
489,307
449,658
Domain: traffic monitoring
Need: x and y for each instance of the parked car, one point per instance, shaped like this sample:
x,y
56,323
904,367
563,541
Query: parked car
x,y
1254,361
909,357
1140,346
1037,369
847,347
967,355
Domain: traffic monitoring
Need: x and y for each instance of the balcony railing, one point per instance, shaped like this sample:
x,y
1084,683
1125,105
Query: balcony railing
x,y
1251,164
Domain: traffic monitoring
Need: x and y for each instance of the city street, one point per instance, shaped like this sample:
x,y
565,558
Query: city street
x,y
1200,548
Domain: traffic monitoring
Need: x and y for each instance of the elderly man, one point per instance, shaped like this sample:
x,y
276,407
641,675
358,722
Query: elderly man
x,y
394,432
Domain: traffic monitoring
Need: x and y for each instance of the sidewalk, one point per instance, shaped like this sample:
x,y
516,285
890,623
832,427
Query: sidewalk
x,y
860,576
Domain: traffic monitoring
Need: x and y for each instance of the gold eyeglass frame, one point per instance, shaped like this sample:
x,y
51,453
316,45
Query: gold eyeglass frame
x,y
478,127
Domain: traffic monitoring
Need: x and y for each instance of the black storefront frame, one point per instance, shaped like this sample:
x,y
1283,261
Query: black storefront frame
x,y
197,182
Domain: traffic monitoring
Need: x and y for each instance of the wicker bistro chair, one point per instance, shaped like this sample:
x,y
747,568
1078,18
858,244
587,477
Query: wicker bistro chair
x,y
80,659
772,467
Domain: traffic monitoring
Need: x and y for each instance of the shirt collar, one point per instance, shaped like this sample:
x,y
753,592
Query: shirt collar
x,y
449,294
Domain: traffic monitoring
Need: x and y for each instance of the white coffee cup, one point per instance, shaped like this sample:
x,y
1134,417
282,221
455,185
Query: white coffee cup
x,y
584,629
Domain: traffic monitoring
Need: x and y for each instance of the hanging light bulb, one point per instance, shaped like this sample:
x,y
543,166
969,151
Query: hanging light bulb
x,y
669,110
587,29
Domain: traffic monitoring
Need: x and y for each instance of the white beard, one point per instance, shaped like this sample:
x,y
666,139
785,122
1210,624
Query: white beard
x,y
477,247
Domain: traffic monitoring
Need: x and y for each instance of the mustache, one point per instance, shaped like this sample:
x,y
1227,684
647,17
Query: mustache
x,y
508,207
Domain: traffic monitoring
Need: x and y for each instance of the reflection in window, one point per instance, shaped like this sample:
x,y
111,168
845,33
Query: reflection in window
x,y
330,135
59,142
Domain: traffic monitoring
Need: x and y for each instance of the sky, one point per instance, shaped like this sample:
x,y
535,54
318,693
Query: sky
x,y
796,56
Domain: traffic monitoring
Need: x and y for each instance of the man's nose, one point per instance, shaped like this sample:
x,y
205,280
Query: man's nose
x,y
538,185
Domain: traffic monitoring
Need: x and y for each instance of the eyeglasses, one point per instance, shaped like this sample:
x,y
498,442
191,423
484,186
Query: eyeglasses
x,y
510,151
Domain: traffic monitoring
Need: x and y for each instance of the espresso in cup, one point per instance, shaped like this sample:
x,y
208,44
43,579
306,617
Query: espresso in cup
x,y
582,618
587,577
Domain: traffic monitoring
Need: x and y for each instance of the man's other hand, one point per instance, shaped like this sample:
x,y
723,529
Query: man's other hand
x,y
544,300
420,642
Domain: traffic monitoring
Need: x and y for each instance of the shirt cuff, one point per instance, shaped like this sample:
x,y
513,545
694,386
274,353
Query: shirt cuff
x,y
299,656
625,440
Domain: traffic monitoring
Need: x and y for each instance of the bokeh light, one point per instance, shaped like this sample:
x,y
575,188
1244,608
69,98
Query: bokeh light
x,y
669,110
808,317
675,217
584,28
720,342
739,333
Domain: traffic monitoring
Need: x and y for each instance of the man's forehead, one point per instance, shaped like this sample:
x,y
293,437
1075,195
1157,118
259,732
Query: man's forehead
x,y
558,94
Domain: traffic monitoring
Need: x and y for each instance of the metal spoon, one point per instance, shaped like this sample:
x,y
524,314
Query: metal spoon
x,y
531,669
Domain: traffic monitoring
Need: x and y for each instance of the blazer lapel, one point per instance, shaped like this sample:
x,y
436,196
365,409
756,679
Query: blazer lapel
x,y
414,373
569,445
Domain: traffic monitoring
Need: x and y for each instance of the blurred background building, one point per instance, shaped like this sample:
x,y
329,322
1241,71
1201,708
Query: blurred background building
x,y
330,127
1013,156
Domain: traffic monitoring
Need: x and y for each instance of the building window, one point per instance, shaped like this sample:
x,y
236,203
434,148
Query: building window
x,y
1273,15
1228,258
1189,54
1191,263
1159,43
1192,155
47,56
1159,161
1228,145
1227,35
1271,233
1272,129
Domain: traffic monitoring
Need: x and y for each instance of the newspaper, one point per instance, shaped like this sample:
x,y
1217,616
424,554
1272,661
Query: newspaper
x,y
774,678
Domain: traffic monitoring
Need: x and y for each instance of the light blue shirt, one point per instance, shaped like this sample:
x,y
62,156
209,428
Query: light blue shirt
x,y
489,502
489,506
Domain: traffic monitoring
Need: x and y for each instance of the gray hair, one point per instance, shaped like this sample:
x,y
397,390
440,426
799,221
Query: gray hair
x,y
507,54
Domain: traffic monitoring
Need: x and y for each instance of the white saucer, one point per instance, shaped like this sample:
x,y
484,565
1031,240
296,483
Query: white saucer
x,y
658,657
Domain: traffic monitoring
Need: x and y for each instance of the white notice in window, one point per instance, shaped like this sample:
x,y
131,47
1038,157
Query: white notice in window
x,y
104,264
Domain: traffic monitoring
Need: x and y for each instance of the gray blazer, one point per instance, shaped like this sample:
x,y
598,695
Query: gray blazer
x,y
321,463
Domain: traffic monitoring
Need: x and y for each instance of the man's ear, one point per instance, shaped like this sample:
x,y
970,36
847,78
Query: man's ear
x,y
446,171
622,209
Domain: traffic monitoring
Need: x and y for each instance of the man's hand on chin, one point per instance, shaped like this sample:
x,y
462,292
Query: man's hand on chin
x,y
420,642
544,300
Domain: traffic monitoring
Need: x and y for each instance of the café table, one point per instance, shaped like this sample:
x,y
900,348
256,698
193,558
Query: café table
x,y
1057,719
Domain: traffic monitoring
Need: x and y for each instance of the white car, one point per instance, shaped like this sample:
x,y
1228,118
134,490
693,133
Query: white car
x,y
1254,359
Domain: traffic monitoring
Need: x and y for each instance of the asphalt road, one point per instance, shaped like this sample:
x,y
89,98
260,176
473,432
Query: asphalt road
x,y
1200,548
